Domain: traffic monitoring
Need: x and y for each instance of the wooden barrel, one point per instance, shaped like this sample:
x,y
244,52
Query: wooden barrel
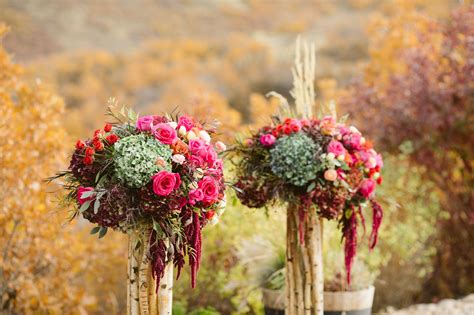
x,y
349,302
335,303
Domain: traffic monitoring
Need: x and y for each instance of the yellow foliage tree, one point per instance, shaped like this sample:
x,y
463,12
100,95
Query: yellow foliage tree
x,y
44,267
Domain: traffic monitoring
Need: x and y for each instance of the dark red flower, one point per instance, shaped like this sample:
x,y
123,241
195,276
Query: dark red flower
x,y
287,129
112,138
80,144
90,151
88,160
107,127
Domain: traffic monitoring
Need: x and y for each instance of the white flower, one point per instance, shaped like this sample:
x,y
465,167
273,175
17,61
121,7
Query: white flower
x,y
178,158
353,129
173,124
331,156
205,136
340,157
191,135
362,140
182,131
220,211
214,220
220,146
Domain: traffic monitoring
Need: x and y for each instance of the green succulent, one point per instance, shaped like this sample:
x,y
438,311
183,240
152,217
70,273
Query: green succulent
x,y
295,159
135,159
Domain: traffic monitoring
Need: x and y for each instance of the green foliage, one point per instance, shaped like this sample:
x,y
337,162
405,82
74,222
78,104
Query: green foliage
x,y
135,159
293,159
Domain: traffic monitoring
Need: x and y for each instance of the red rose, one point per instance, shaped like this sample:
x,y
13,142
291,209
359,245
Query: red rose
x,y
112,138
80,144
107,127
99,146
97,132
90,151
81,190
88,160
379,180
287,129
210,214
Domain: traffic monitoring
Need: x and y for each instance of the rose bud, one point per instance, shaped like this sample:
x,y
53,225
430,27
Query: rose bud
x,y
112,138
107,127
209,214
99,146
88,160
90,151
80,144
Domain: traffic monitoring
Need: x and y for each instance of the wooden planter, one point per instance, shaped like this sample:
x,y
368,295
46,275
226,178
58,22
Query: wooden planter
x,y
335,303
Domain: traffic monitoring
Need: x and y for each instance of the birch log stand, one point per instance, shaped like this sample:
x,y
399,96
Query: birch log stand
x,y
142,296
304,280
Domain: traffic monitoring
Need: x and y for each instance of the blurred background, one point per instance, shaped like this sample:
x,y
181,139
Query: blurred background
x,y
403,70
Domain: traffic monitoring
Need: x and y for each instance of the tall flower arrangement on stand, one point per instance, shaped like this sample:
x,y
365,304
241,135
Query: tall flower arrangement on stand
x,y
158,179
319,167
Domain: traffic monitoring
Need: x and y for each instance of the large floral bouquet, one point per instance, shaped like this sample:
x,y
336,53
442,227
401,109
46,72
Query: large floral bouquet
x,y
319,165
155,175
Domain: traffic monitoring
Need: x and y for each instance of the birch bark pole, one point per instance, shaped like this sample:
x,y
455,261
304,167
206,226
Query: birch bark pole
x,y
304,266
142,295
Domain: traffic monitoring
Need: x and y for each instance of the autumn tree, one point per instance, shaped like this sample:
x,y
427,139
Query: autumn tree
x,y
421,100
44,266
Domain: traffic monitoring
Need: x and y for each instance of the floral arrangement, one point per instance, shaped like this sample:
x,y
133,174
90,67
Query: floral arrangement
x,y
318,164
153,173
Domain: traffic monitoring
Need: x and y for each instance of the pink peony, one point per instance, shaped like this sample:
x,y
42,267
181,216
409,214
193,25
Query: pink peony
x,y
210,189
164,183
82,190
164,133
144,123
336,147
186,122
195,195
267,140
197,145
367,187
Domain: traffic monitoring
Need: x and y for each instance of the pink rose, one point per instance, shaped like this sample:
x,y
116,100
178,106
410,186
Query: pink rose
x,y
196,160
144,123
336,147
267,140
186,122
178,158
196,145
367,187
208,154
330,175
164,183
195,195
81,191
210,189
164,133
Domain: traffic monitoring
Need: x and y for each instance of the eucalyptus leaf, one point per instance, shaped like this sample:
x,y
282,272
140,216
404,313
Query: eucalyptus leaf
x,y
102,232
85,206
95,230
96,205
311,187
88,194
